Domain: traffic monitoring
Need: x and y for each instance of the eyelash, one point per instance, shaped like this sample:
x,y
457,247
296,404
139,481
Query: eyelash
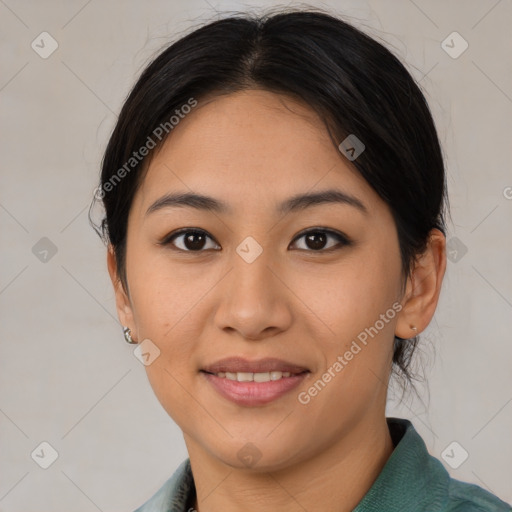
x,y
343,241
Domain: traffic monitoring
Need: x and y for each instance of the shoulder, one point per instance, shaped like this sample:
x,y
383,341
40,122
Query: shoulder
x,y
416,480
467,497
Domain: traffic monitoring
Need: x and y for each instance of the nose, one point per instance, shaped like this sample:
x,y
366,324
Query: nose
x,y
253,301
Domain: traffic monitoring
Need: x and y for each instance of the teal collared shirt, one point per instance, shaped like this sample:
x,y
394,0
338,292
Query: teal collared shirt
x,y
412,480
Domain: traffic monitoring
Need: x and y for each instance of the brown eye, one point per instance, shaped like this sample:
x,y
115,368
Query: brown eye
x,y
316,240
189,240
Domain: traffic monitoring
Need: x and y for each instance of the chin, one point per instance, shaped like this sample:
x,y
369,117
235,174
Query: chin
x,y
257,456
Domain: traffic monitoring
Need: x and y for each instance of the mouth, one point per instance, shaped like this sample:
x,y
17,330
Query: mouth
x,y
255,376
239,365
252,383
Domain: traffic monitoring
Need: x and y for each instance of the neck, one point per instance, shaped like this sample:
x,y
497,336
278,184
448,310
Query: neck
x,y
335,479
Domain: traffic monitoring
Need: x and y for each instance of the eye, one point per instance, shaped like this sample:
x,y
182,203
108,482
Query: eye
x,y
196,240
315,240
190,240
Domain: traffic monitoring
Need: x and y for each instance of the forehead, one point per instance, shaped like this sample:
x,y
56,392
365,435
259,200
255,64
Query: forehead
x,y
251,144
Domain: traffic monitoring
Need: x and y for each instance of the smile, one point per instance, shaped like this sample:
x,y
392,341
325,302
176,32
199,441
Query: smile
x,y
253,377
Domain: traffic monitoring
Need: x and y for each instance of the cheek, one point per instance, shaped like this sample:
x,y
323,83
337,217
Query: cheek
x,y
167,310
351,296
172,307
161,292
359,303
357,354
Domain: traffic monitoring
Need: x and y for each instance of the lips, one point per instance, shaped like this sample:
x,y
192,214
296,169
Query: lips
x,y
254,383
236,365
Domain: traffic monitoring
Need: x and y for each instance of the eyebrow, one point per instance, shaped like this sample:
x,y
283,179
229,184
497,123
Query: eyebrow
x,y
293,204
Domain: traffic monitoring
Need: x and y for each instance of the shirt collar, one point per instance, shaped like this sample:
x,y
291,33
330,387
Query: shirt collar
x,y
411,479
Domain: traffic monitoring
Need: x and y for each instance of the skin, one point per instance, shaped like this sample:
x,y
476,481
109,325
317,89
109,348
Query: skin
x,y
252,150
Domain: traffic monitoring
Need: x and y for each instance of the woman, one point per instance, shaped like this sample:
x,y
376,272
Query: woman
x,y
275,216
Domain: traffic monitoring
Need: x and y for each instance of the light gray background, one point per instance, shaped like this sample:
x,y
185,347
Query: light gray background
x,y
68,377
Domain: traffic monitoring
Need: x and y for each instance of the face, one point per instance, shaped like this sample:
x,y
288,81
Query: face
x,y
303,283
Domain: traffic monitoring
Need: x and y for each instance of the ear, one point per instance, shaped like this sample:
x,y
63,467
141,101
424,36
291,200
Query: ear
x,y
123,303
423,288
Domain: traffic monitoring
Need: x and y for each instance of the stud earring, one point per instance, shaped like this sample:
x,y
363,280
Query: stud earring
x,y
128,335
414,328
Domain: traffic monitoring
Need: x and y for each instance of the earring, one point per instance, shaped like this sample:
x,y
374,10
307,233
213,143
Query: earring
x,y
414,328
128,335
